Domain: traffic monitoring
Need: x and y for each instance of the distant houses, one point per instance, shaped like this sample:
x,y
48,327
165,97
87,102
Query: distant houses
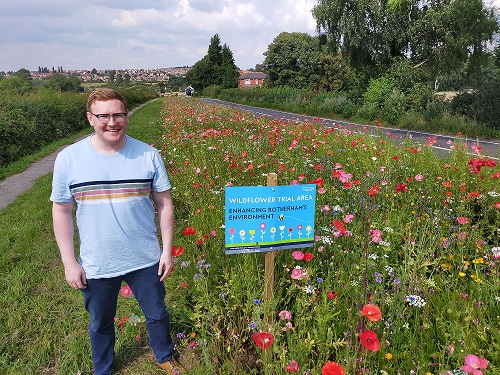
x,y
251,79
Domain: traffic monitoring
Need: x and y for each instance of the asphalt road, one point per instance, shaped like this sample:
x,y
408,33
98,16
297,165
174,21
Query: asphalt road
x,y
441,143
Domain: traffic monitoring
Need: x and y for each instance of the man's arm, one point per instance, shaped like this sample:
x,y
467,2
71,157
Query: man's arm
x,y
165,211
62,216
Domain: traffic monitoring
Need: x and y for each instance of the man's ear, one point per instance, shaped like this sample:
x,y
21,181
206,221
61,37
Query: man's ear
x,y
89,118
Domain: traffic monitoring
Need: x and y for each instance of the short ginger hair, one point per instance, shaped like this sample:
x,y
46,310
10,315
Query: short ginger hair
x,y
103,94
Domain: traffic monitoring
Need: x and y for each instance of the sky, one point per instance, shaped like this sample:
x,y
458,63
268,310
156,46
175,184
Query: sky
x,y
146,34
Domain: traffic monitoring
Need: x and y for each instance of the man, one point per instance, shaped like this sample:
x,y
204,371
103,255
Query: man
x,y
112,178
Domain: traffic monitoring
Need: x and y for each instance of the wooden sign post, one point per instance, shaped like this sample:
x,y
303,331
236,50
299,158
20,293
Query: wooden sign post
x,y
272,180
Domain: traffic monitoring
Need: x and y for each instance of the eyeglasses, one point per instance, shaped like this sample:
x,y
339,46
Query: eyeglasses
x,y
117,117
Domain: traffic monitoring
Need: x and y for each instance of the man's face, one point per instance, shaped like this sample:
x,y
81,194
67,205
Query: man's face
x,y
109,119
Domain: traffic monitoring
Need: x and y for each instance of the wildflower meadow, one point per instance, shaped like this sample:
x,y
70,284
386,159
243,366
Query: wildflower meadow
x,y
403,277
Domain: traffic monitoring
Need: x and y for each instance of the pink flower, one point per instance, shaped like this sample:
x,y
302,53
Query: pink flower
x,y
321,190
287,326
293,366
496,252
376,235
126,291
285,315
473,364
348,218
297,274
298,255
462,220
419,177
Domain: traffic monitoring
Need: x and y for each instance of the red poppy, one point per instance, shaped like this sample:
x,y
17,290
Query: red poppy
x,y
177,251
369,340
332,295
497,205
308,256
332,368
263,339
372,312
402,187
374,190
319,182
189,231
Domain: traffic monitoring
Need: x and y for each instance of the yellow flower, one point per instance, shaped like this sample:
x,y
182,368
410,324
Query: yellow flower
x,y
388,356
478,261
461,274
446,266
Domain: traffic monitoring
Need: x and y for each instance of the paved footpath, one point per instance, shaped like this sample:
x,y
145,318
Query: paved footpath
x,y
13,186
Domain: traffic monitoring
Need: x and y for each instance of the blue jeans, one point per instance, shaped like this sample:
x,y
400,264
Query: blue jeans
x,y
100,298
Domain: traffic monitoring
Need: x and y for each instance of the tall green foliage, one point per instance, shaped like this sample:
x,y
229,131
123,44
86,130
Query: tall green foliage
x,y
447,38
216,68
290,60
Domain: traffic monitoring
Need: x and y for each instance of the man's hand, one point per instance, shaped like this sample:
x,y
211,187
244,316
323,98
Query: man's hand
x,y
75,276
166,266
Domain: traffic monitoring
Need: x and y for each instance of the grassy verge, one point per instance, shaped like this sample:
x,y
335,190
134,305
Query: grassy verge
x,y
44,323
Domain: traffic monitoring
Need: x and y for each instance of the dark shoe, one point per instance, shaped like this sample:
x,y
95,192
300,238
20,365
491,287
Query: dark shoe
x,y
171,367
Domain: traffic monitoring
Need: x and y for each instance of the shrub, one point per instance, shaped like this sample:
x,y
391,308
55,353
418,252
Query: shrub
x,y
394,106
212,91
481,104
378,90
369,111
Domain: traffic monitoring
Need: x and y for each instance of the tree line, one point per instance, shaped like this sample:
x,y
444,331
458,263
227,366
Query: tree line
x,y
383,58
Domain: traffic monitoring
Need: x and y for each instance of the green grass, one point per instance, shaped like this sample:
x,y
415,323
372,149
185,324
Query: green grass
x,y
218,308
44,323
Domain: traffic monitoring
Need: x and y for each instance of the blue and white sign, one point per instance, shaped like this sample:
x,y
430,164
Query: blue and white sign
x,y
269,218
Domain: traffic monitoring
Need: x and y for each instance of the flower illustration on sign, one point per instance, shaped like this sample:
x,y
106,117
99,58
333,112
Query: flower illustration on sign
x,y
299,230
262,230
282,231
273,232
231,232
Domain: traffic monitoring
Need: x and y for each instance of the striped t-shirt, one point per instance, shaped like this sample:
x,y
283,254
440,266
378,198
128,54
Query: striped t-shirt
x,y
114,211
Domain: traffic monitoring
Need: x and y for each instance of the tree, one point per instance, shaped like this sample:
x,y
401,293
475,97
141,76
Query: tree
x,y
58,82
450,38
228,69
15,85
331,72
366,34
111,76
23,74
217,67
447,37
291,60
